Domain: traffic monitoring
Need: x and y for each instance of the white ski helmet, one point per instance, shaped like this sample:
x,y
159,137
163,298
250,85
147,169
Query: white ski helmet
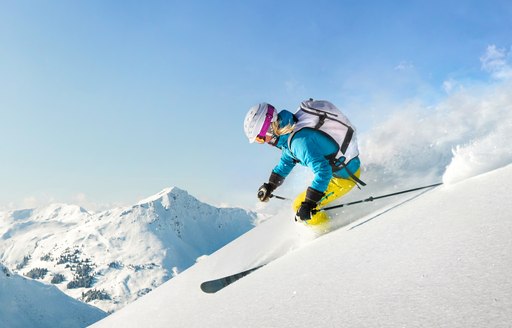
x,y
257,121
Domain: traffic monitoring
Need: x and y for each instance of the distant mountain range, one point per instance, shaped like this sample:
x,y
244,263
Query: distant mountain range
x,y
111,258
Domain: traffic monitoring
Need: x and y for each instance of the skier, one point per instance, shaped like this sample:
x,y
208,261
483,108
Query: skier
x,y
318,136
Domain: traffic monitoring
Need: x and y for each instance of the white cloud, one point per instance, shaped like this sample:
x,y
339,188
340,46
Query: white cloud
x,y
404,66
8,207
451,85
37,201
44,199
82,200
30,202
80,197
497,62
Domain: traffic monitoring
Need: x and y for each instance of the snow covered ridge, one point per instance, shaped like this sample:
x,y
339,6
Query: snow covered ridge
x,y
111,258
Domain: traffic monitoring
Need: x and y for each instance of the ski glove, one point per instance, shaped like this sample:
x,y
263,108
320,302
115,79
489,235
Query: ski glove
x,y
265,191
313,196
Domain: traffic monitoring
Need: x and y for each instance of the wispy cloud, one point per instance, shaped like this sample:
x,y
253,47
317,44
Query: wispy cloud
x,y
33,201
44,199
404,66
497,62
450,85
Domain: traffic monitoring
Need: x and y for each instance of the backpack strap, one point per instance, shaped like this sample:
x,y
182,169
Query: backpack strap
x,y
356,180
321,120
339,164
346,141
321,113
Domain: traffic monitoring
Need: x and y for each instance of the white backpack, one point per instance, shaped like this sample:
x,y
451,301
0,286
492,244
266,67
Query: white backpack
x,y
323,116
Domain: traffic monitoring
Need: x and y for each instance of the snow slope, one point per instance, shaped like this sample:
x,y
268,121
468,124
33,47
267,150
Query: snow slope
x,y
439,259
113,257
28,303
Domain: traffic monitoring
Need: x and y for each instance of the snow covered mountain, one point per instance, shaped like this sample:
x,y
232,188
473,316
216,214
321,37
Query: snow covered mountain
x,y
28,303
436,259
111,258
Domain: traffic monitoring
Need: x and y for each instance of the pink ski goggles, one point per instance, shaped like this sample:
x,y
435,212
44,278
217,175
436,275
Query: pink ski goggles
x,y
260,138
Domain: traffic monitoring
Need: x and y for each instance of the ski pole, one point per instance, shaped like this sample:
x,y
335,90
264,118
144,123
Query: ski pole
x,y
371,198
278,197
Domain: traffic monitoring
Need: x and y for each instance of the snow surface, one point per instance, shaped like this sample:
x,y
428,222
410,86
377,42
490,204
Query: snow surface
x,y
28,303
438,259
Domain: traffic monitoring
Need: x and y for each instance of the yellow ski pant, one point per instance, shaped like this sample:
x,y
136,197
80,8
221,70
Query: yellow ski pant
x,y
337,188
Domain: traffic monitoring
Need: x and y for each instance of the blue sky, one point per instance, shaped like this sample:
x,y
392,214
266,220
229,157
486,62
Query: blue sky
x,y
107,102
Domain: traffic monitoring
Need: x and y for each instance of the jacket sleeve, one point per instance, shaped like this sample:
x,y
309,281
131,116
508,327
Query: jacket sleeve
x,y
285,165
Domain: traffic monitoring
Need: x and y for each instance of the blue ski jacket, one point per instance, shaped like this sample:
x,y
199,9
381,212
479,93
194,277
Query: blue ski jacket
x,y
310,148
